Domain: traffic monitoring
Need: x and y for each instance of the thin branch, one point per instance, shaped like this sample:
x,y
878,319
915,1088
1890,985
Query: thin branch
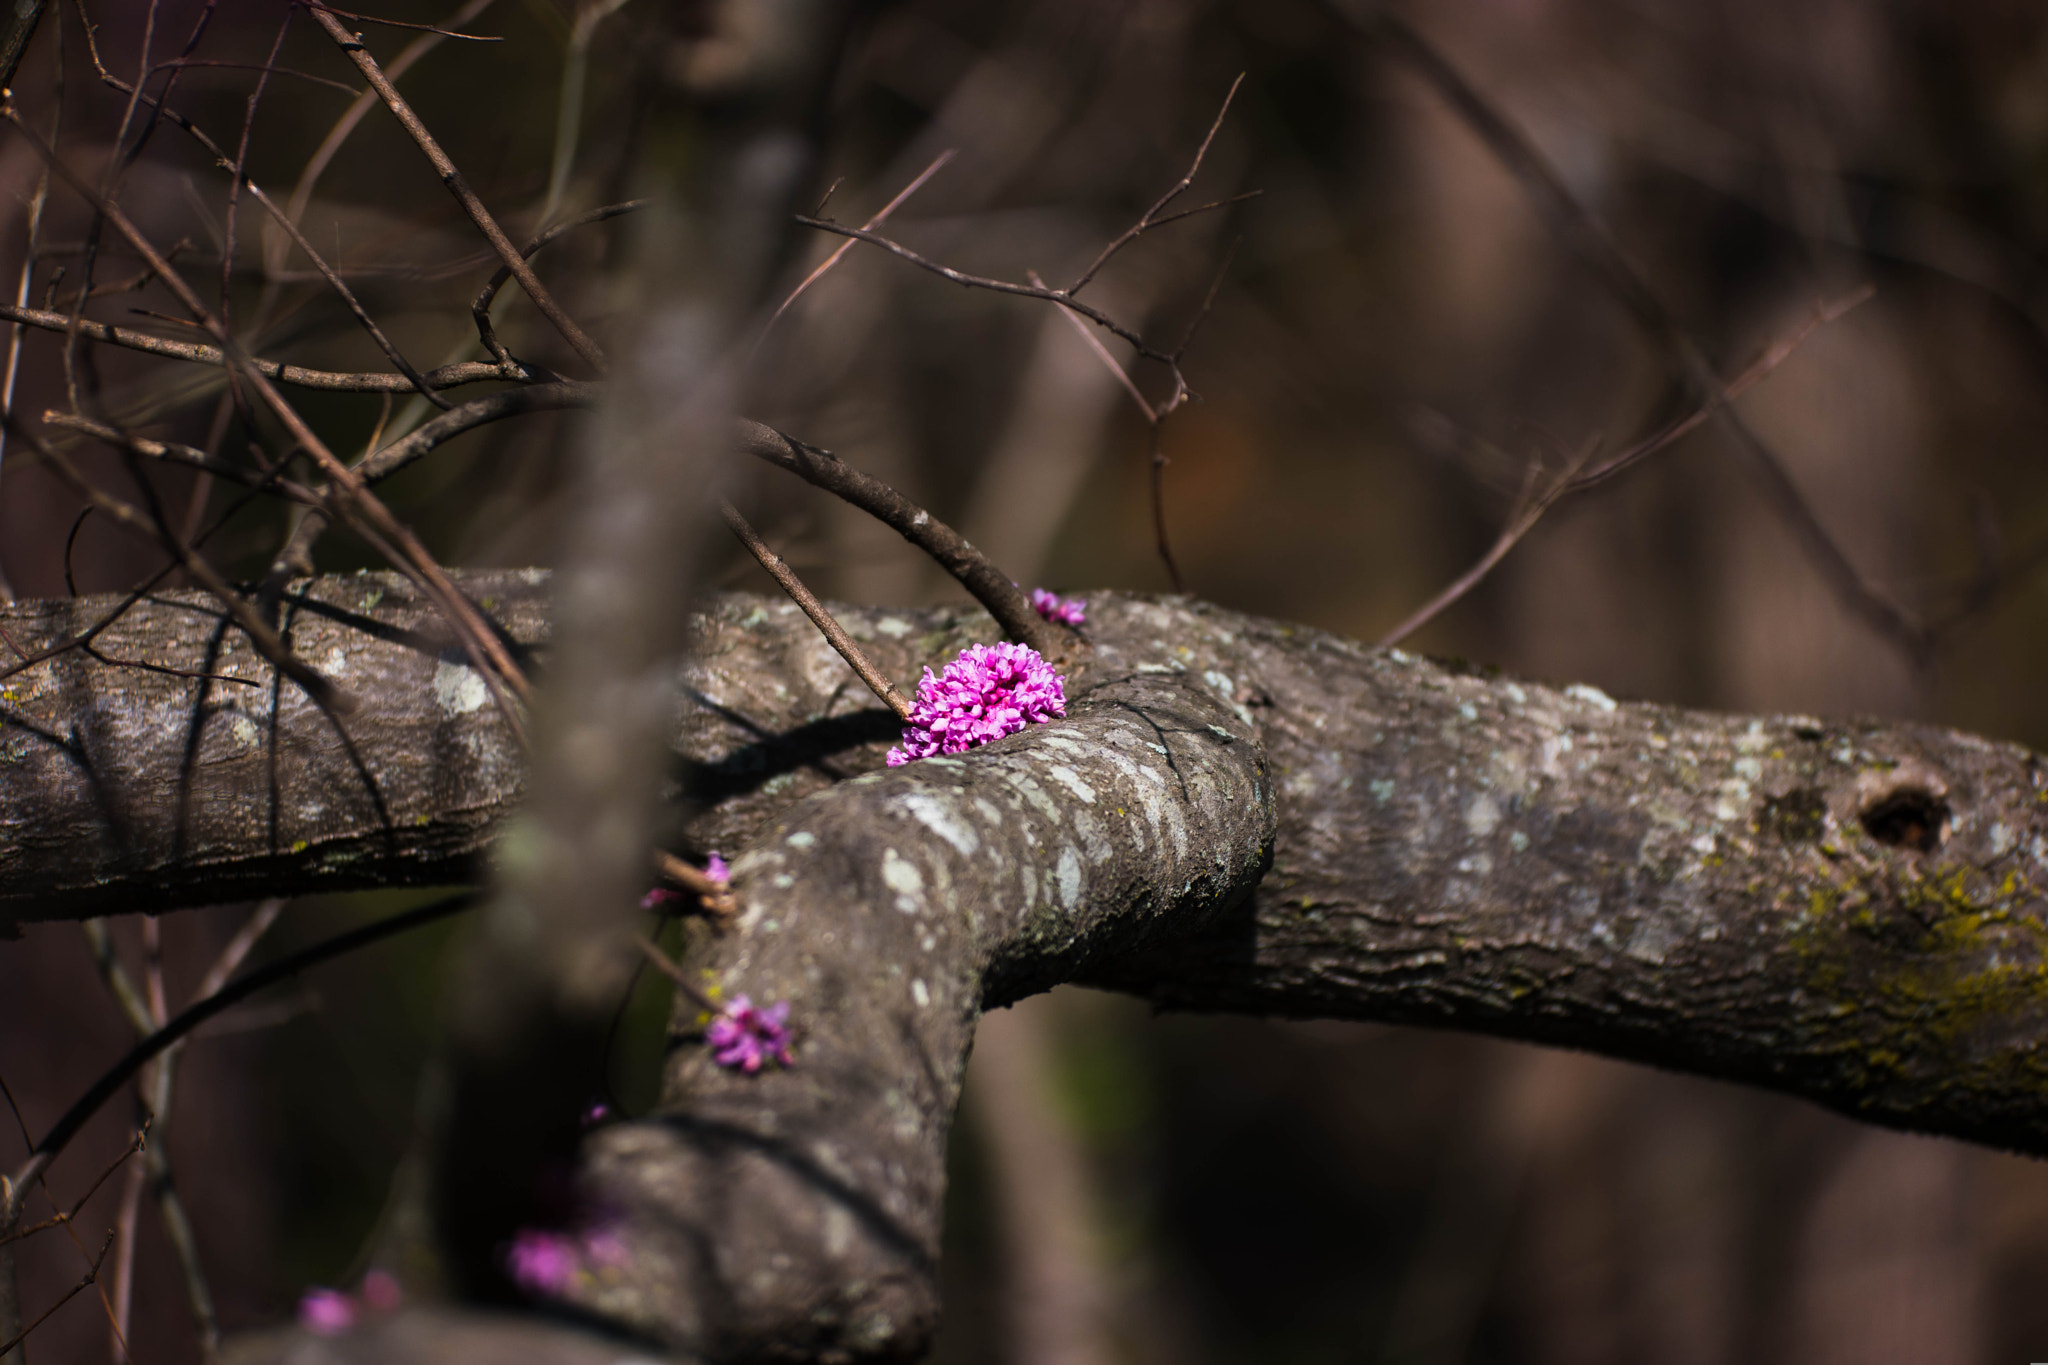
x,y
1151,218
881,217
239,178
199,1011
1588,239
317,685
91,1278
1533,502
716,896
349,495
299,376
173,452
835,634
666,965
330,145
961,277
480,309
352,45
987,584
297,554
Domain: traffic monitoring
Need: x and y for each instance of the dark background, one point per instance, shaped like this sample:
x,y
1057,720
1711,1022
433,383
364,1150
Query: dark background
x,y
1396,337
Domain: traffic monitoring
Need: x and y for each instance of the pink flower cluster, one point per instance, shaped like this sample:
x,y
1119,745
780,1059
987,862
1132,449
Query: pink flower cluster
x,y
1071,611
330,1312
544,1264
742,1037
988,692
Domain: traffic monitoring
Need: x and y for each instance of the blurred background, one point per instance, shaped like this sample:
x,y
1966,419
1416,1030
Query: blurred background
x,y
1399,337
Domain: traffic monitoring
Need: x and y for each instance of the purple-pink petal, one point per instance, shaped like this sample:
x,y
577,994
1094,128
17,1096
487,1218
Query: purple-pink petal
x,y
1072,611
742,1037
326,1312
541,1263
717,870
988,692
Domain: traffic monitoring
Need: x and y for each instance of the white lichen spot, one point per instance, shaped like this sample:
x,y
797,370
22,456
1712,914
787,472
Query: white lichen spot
x,y
244,730
895,627
1481,816
920,993
803,838
1515,693
1071,780
1382,789
1068,876
1651,941
902,877
1749,769
336,662
1732,799
459,689
936,814
1468,710
782,881
1518,841
1592,696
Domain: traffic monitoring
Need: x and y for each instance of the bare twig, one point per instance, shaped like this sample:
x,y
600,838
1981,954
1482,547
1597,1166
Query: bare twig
x,y
987,584
352,45
173,452
481,308
1588,239
266,640
834,633
330,145
349,496
666,965
716,896
239,179
962,277
297,554
199,1011
1151,218
881,217
299,376
1538,497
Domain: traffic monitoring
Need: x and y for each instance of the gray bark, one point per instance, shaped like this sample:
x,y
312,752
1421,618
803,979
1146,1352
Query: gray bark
x,y
1238,814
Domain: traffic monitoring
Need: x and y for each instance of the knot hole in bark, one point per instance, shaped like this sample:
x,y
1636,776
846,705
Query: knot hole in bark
x,y
1910,815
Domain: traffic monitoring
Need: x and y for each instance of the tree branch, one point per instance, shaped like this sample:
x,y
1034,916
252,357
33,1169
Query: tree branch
x,y
1850,911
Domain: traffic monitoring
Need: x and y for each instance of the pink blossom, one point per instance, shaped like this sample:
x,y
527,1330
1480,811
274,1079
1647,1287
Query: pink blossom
x,y
603,1246
541,1263
326,1312
597,1113
658,897
1071,611
742,1037
716,869
381,1291
988,692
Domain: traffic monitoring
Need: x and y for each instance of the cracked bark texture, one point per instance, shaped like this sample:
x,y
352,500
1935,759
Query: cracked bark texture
x,y
1847,910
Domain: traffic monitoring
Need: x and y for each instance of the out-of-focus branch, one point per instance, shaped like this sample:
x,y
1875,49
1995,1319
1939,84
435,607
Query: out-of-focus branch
x,y
1589,240
352,46
480,309
1542,490
299,376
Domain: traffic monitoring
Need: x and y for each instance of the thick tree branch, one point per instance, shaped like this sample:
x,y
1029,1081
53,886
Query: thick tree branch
x,y
1847,910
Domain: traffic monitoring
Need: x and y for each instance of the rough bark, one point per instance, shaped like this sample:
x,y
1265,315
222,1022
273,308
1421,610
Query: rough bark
x,y
1847,910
